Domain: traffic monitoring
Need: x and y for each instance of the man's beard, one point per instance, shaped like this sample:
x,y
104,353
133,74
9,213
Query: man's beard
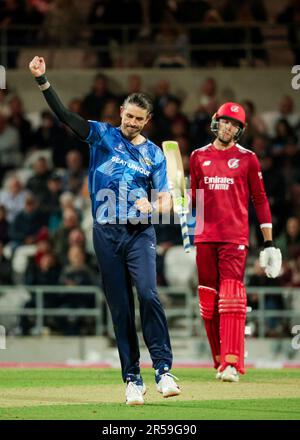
x,y
226,142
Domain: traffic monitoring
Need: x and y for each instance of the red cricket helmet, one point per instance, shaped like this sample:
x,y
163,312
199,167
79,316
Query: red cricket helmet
x,y
233,111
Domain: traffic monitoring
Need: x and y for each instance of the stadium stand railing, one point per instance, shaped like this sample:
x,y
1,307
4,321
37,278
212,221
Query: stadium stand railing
x,y
181,307
274,41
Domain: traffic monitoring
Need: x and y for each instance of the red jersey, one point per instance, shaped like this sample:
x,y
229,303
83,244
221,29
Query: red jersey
x,y
228,178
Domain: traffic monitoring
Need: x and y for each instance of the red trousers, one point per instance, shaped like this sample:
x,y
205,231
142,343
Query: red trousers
x,y
219,261
222,300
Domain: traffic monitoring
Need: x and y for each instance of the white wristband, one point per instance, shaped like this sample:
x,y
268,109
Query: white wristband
x,y
45,86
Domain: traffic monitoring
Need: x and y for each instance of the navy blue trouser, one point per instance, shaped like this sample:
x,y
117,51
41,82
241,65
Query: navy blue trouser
x,y
126,255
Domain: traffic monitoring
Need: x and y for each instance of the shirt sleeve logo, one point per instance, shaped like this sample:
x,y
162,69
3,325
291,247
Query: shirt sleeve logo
x,y
233,163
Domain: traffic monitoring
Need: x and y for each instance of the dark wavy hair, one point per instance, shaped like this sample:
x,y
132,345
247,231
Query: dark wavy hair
x,y
141,100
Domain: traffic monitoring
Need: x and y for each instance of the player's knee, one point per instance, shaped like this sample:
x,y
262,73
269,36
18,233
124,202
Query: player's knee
x,y
233,297
208,302
147,294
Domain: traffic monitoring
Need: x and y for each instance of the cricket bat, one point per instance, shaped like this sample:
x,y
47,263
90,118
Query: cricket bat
x,y
176,180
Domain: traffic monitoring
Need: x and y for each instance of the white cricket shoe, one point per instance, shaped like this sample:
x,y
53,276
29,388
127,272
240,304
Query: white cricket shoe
x,y
219,374
134,394
230,374
167,385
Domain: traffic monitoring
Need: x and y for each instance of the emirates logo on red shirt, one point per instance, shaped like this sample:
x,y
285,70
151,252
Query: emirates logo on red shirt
x,y
233,163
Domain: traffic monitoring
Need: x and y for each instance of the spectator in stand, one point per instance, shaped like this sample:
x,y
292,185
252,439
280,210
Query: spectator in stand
x,y
63,22
61,236
285,111
290,164
50,204
18,120
42,271
67,201
161,94
171,114
289,240
204,100
291,17
275,185
111,114
75,173
100,14
134,85
5,268
10,143
50,135
255,123
37,184
170,43
72,141
200,132
4,225
94,102
35,12
27,224
77,273
12,197
4,105
191,12
261,145
284,134
12,14
246,12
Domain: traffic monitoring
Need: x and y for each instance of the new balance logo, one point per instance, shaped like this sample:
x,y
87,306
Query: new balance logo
x,y
206,163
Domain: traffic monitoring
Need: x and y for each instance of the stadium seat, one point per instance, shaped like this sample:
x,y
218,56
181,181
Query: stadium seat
x,y
180,267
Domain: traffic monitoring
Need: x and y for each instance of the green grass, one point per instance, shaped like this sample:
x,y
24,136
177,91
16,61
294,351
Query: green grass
x,y
99,394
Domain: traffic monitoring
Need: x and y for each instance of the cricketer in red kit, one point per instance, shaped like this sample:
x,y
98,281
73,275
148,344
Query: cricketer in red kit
x,y
229,175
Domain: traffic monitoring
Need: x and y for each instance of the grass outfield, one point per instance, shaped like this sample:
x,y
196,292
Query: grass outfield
x,y
99,394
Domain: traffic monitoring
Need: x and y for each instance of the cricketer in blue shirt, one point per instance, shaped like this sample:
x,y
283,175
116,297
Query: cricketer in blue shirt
x,y
121,173
125,250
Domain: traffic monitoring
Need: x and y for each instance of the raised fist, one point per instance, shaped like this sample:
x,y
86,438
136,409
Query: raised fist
x,y
37,66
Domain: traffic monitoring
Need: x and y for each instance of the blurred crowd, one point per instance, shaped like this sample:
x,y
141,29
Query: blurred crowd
x,y
45,219
160,34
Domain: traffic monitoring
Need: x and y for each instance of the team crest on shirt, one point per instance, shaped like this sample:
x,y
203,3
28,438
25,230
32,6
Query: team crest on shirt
x,y
233,163
147,161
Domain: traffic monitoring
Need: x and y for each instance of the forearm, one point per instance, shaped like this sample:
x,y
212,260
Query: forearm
x,y
267,234
79,125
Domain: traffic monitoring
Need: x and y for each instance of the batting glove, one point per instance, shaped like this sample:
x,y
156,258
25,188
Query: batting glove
x,y
270,260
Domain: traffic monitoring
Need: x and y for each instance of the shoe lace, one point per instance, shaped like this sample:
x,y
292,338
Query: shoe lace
x,y
169,378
